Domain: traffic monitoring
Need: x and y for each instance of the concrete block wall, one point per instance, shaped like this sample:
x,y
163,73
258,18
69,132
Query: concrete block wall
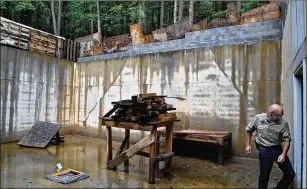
x,y
33,88
240,34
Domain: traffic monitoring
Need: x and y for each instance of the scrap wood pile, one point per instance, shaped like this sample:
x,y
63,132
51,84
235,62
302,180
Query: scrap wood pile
x,y
30,39
264,13
142,108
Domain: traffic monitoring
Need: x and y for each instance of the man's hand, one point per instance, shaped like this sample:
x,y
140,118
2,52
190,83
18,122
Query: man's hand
x,y
248,149
281,158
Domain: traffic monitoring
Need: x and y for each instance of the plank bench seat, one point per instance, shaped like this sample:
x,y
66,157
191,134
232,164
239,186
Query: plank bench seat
x,y
218,137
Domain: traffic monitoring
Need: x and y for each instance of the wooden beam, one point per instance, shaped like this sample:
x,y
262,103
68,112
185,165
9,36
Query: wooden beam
x,y
127,125
163,157
127,135
142,153
111,111
122,146
109,143
152,155
168,144
131,151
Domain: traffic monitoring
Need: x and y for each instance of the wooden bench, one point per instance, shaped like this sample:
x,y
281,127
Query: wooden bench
x,y
218,137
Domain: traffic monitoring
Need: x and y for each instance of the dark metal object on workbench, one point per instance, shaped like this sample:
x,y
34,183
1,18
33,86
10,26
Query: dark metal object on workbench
x,y
141,108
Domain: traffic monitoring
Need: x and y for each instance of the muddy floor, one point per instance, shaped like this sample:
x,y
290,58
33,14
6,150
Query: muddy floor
x,y
27,167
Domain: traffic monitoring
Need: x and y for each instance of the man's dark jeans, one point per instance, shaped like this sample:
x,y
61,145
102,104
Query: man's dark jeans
x,y
267,156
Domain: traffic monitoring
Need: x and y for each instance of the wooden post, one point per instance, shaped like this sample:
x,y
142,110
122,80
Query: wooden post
x,y
168,145
109,143
152,155
74,52
229,145
221,150
67,49
158,143
64,48
127,136
122,147
157,149
19,35
29,40
57,48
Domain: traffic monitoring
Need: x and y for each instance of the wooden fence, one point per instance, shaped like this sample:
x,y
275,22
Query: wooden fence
x,y
27,38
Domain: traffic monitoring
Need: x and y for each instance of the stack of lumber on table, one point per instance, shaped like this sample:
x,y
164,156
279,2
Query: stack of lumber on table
x,y
218,137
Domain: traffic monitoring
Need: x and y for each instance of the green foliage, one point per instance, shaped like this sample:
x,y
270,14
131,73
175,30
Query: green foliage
x,y
24,5
2,5
203,9
115,16
133,13
219,14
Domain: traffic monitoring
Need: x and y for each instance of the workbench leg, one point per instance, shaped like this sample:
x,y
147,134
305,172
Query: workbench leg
x,y
168,146
127,134
158,143
152,154
158,148
109,144
230,146
221,151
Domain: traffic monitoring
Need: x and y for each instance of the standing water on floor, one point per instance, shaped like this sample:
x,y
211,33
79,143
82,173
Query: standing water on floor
x,y
27,167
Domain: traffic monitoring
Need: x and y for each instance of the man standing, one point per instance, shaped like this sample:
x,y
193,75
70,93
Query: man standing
x,y
271,130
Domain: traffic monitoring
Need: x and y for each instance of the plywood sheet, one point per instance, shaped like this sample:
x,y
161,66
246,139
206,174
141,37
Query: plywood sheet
x,y
40,134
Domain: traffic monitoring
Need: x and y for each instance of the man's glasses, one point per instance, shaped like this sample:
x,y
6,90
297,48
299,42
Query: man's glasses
x,y
277,114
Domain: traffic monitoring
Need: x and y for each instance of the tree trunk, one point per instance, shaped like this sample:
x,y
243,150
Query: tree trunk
x,y
53,18
191,12
92,23
142,19
175,11
59,18
180,10
98,22
161,14
64,10
29,17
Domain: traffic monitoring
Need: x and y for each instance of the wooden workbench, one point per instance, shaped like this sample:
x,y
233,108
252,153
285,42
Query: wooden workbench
x,y
150,140
218,137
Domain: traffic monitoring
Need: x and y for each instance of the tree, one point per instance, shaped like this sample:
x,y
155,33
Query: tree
x,y
161,13
92,21
98,21
180,10
142,11
53,18
175,11
59,18
56,24
191,12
